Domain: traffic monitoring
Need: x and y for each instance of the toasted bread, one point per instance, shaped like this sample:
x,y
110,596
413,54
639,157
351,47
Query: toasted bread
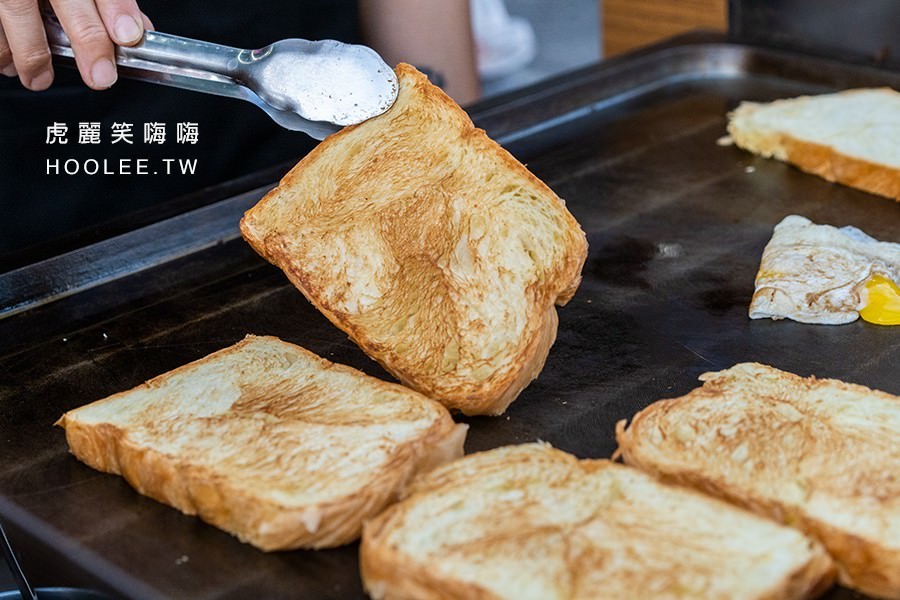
x,y
851,137
818,454
432,247
267,441
529,521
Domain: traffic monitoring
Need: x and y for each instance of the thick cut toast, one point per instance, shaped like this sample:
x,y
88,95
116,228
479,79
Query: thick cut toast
x,y
267,441
530,522
818,454
851,137
430,245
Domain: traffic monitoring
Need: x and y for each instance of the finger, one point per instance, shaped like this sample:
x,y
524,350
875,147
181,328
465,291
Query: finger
x,y
90,41
24,30
7,67
148,24
122,19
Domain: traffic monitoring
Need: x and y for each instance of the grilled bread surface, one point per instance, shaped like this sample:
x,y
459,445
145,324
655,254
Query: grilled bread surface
x,y
530,522
818,454
430,245
851,137
267,441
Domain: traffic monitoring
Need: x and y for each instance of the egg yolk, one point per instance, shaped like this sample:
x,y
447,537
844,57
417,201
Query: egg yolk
x,y
883,302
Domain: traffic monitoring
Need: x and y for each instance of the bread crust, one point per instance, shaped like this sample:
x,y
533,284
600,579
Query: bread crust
x,y
824,161
389,574
866,563
390,571
455,389
818,159
228,503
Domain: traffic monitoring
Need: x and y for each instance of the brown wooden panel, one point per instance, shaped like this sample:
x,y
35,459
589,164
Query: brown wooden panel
x,y
628,24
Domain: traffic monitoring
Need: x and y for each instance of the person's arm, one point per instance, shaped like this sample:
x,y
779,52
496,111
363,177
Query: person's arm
x,y
434,34
93,27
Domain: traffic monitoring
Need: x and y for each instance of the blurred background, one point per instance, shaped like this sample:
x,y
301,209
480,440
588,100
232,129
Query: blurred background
x,y
574,33
566,35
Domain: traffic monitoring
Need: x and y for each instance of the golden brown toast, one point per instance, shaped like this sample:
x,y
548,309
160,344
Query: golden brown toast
x,y
530,522
430,245
817,454
267,441
851,137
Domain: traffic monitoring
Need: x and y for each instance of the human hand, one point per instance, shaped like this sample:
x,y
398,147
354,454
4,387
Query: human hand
x,y
93,27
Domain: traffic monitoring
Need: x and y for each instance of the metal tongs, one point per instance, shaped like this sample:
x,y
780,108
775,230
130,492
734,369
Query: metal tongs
x,y
27,592
314,87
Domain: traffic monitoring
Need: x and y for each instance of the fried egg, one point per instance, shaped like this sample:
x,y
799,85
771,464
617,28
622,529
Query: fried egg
x,y
823,274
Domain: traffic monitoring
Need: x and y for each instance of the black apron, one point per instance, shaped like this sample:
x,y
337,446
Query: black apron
x,y
41,201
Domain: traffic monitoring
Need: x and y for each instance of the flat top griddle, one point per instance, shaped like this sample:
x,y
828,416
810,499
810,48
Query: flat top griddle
x,y
676,225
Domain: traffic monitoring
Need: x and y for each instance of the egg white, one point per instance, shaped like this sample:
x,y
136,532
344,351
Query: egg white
x,y
817,273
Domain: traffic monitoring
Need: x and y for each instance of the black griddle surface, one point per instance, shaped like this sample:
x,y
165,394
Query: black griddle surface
x,y
676,225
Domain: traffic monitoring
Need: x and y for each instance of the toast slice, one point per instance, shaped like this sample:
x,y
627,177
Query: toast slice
x,y
818,454
267,441
431,246
850,137
531,522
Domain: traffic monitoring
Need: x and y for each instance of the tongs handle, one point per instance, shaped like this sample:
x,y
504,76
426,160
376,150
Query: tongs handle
x,y
160,48
167,59
25,589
